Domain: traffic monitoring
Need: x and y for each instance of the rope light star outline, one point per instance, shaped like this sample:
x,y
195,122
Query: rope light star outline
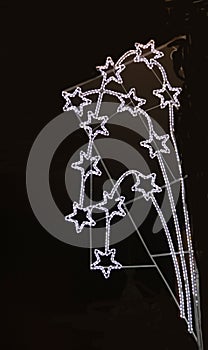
x,y
187,290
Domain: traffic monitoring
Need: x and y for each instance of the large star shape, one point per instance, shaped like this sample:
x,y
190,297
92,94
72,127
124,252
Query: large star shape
x,y
84,163
135,102
79,211
154,138
108,202
106,270
70,101
172,93
93,132
146,181
142,56
111,72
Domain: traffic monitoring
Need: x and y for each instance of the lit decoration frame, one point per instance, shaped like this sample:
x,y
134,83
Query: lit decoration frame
x,y
188,289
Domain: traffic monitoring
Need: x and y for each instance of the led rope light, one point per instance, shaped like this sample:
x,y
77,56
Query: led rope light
x,y
172,101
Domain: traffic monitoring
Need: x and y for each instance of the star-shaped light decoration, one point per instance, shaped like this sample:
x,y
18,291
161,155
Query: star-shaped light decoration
x,y
80,217
111,72
93,130
156,142
143,51
168,95
85,162
130,102
107,255
109,201
146,185
75,101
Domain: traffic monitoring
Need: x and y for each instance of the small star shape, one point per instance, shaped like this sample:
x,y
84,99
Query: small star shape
x,y
173,93
70,106
78,211
141,56
88,126
106,270
109,202
154,138
86,161
134,100
110,68
146,181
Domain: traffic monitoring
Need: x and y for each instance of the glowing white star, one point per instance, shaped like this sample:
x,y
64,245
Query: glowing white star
x,y
135,101
106,270
167,89
85,162
142,57
153,140
92,133
108,197
146,180
71,106
110,67
77,210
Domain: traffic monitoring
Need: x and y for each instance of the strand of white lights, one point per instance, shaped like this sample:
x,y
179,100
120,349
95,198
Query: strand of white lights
x,y
171,105
156,266
150,195
173,102
125,56
186,217
91,191
180,243
164,149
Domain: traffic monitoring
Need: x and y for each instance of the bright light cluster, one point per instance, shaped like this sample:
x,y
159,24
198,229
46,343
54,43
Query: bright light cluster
x,y
157,146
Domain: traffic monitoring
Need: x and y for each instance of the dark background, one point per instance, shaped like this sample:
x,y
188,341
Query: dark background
x,y
51,299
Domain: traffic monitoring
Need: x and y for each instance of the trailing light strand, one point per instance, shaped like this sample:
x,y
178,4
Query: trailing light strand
x,y
150,195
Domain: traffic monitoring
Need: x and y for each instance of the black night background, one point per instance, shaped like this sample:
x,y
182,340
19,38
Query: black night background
x,y
50,298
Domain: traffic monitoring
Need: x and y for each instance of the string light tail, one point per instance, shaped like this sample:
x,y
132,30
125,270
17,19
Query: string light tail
x,y
180,243
99,101
173,255
90,145
197,313
186,215
82,190
125,56
107,235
